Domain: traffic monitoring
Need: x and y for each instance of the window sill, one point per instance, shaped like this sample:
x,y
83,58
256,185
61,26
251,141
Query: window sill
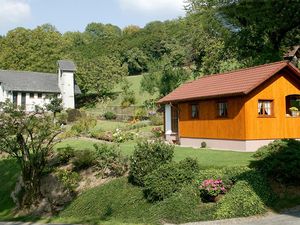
x,y
266,117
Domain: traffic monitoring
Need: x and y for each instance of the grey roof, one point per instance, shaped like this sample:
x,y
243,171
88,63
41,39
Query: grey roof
x,y
66,65
31,82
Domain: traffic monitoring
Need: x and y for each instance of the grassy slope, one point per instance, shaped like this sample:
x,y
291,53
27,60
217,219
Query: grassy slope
x,y
9,172
140,96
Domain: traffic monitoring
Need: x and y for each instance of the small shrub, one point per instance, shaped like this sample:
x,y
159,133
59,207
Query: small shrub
x,y
109,157
84,159
168,179
280,161
84,124
182,206
120,136
110,115
62,118
140,113
69,179
240,201
203,144
156,120
73,115
157,132
65,154
146,157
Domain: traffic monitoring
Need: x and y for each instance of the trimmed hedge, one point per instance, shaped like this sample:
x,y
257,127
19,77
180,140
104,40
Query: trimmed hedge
x,y
146,157
169,178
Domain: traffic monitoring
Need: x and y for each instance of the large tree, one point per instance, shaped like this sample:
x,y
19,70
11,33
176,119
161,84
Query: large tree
x,y
100,75
258,28
33,50
28,138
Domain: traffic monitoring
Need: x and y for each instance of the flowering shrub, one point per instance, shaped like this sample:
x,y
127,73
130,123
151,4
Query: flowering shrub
x,y
211,188
157,132
120,136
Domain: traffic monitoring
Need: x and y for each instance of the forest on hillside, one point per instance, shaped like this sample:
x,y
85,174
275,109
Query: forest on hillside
x,y
214,36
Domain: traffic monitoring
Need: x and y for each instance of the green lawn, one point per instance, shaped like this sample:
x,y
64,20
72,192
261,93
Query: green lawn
x,y
205,157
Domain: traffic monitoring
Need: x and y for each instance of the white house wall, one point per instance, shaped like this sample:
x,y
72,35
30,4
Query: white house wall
x,y
1,93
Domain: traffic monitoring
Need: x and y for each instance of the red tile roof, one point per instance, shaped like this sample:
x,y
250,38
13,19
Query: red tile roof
x,y
239,82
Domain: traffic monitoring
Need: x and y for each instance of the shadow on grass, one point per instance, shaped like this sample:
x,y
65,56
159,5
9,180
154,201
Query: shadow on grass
x,y
9,172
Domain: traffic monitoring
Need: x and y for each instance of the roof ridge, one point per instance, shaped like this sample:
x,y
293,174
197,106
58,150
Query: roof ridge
x,y
20,71
243,69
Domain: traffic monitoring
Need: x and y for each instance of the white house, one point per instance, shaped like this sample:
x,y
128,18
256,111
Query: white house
x,y
29,89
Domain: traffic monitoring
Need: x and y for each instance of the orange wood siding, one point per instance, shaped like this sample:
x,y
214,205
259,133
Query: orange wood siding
x,y
278,126
208,125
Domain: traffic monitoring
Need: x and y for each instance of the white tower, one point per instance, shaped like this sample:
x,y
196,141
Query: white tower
x,y
66,83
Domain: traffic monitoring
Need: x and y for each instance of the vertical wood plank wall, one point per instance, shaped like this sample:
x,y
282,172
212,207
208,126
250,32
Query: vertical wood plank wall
x,y
243,122
208,125
280,125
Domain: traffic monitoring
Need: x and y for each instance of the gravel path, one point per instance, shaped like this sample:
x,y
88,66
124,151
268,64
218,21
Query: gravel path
x,y
289,217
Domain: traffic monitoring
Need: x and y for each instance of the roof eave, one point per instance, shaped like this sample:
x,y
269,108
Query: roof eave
x,y
201,98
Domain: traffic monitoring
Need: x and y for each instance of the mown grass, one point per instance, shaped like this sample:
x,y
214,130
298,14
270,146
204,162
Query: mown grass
x,y
205,157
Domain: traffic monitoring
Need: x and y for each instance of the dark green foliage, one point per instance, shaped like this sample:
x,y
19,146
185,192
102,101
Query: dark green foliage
x,y
128,96
73,115
110,116
84,124
183,207
69,179
249,194
136,61
240,201
280,161
169,178
55,105
84,159
147,157
65,154
156,120
108,156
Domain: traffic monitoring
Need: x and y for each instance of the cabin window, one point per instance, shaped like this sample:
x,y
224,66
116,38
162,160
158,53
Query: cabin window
x,y
40,95
292,105
31,95
222,109
265,107
194,111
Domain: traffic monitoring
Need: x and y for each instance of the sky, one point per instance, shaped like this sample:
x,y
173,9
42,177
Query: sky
x,y
74,15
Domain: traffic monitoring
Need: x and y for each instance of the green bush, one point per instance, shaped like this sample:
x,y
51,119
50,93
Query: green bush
x,y
84,159
140,113
73,115
240,201
110,116
69,179
182,207
169,178
62,118
249,194
280,161
84,124
156,120
65,154
146,157
109,157
102,135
